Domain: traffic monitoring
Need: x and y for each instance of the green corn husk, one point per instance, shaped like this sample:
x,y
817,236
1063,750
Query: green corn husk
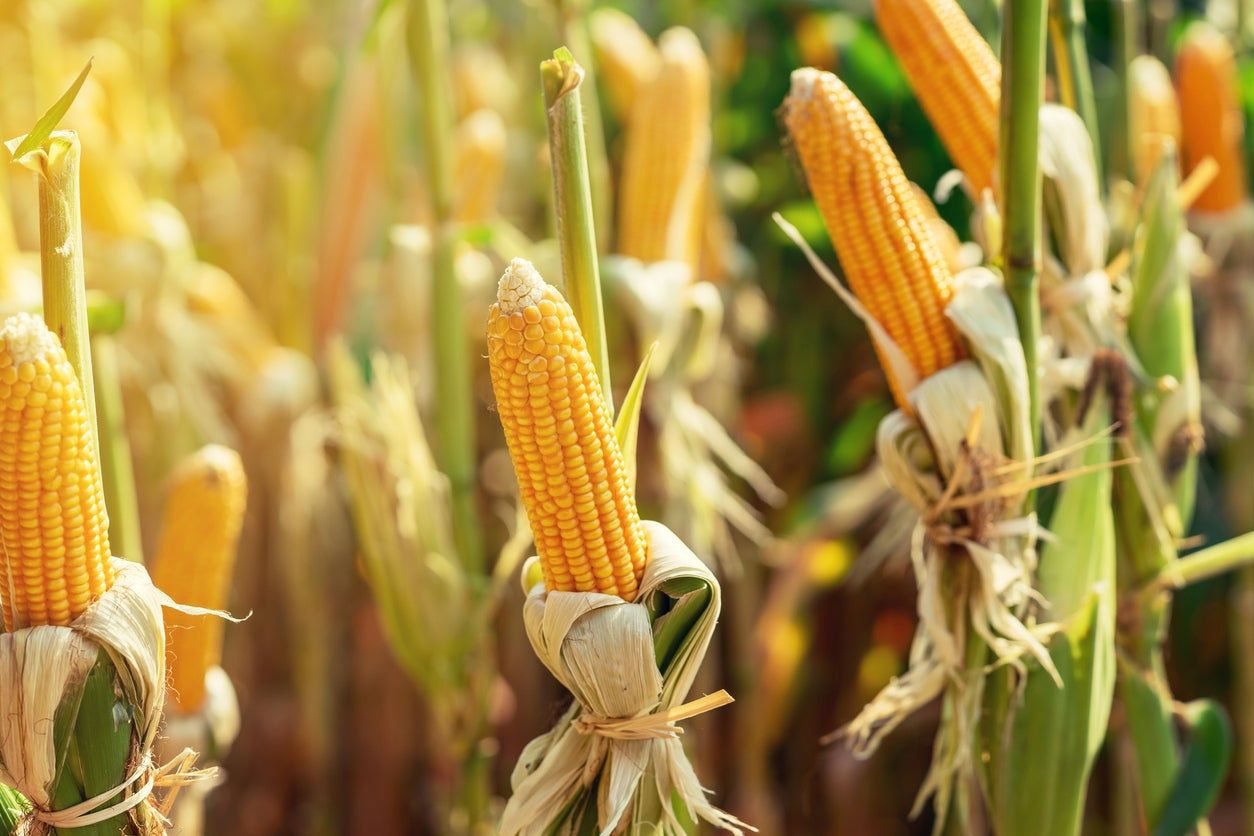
x,y
1043,740
1160,329
12,808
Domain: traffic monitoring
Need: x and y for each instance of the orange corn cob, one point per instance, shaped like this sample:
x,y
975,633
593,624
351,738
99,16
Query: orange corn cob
x,y
203,516
1154,114
667,157
627,60
570,469
955,75
881,234
1206,74
942,233
53,524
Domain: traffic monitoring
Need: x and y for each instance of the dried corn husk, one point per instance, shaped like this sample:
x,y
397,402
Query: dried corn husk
x,y
613,760
45,670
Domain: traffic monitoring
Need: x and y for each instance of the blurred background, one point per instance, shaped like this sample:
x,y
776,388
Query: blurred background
x,y
253,184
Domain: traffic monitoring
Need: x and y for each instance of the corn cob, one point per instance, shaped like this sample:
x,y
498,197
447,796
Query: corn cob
x,y
627,60
882,237
1206,74
203,516
942,233
569,466
955,75
480,165
1154,114
667,155
55,530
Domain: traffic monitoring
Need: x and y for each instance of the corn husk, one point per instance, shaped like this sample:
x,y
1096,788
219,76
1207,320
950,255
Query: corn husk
x,y
1043,738
49,674
621,661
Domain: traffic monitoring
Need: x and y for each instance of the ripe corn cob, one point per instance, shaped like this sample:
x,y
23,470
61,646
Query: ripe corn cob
x,y
627,60
203,516
955,75
1206,74
480,165
882,237
1154,113
943,234
53,524
570,469
667,155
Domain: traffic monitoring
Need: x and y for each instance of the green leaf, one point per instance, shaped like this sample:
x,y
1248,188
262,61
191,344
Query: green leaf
x,y
1207,753
1150,726
12,808
49,121
105,314
627,426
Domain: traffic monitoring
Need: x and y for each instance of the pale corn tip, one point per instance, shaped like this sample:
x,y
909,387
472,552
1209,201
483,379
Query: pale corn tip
x,y
680,43
805,82
26,339
521,286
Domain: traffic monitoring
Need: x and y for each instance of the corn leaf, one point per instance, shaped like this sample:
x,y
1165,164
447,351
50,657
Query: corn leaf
x,y
12,808
1207,752
48,122
1148,710
627,426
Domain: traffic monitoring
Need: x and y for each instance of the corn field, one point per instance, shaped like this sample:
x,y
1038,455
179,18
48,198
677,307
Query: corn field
x,y
578,418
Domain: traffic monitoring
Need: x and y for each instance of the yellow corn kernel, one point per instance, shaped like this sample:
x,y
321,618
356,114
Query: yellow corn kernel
x,y
480,166
627,60
955,76
667,157
1154,114
885,246
1210,109
203,516
570,469
943,234
54,530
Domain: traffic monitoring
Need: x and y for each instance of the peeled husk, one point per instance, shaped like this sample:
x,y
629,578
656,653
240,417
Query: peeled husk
x,y
974,563
43,671
606,651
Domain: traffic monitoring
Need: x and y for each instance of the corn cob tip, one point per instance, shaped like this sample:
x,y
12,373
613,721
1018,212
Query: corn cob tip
x,y
521,286
805,81
26,338
680,42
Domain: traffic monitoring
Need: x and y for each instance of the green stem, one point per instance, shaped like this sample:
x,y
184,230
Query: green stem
x,y
1206,563
116,467
56,161
455,419
1067,23
1022,91
575,32
572,196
